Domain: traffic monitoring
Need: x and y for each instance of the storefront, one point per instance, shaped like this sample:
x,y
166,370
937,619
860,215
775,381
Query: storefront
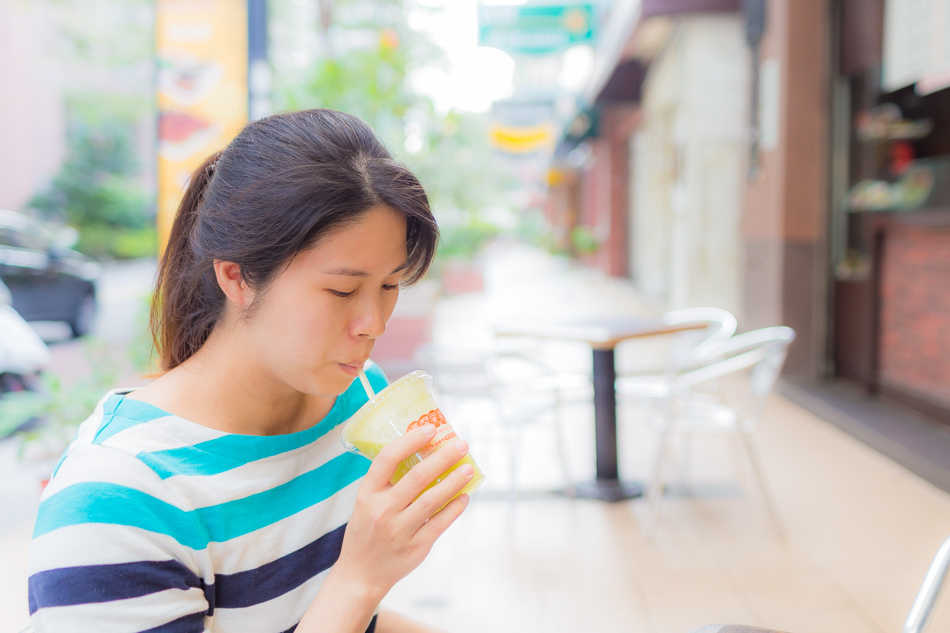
x,y
819,182
890,216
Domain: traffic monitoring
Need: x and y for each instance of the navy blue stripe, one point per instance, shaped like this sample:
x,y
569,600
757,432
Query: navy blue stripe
x,y
274,579
105,583
191,623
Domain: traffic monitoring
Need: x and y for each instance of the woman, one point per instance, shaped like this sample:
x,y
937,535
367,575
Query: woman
x,y
218,497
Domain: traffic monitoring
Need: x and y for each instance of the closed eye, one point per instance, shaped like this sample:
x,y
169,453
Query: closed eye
x,y
339,293
390,286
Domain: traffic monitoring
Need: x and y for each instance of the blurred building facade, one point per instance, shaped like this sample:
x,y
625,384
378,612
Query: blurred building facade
x,y
32,132
786,160
57,55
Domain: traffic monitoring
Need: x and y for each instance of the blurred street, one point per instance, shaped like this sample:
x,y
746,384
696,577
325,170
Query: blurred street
x,y
123,293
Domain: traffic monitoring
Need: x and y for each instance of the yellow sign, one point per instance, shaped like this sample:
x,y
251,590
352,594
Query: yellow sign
x,y
522,140
201,47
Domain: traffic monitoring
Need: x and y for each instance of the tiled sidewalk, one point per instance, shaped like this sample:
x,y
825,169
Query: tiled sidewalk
x,y
862,532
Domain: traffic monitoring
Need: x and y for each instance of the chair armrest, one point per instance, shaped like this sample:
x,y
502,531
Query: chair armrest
x,y
922,611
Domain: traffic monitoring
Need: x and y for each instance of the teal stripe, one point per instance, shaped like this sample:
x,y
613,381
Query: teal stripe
x,y
242,516
231,451
96,502
134,412
219,455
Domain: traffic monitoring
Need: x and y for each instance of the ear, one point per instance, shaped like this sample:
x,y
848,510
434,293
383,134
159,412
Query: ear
x,y
232,283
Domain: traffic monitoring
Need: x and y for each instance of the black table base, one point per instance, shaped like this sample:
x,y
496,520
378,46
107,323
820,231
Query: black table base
x,y
611,490
607,486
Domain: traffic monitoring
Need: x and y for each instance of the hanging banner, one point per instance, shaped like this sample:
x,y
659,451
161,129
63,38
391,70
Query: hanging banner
x,y
523,124
522,140
535,29
201,52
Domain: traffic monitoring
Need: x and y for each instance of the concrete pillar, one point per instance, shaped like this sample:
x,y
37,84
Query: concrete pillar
x,y
786,203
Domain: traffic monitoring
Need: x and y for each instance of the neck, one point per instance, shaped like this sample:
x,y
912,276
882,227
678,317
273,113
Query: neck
x,y
221,387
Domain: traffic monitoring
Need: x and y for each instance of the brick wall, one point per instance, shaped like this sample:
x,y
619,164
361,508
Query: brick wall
x,y
914,351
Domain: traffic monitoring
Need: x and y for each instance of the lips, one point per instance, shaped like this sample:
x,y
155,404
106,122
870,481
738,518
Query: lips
x,y
353,367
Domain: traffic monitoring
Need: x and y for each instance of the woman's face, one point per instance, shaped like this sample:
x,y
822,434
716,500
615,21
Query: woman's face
x,y
318,320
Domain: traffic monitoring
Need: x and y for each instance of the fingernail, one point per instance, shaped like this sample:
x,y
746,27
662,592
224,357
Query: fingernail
x,y
428,429
467,470
461,446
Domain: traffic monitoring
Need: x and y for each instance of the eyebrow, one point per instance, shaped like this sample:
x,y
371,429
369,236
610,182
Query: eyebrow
x,y
353,272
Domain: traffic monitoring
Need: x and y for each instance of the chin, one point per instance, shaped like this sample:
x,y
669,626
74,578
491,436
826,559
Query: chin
x,y
329,387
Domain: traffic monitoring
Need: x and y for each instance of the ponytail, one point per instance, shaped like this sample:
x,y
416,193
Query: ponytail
x,y
180,319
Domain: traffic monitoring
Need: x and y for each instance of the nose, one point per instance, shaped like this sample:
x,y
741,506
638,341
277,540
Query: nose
x,y
370,320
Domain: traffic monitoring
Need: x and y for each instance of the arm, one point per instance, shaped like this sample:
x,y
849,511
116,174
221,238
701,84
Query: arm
x,y
390,533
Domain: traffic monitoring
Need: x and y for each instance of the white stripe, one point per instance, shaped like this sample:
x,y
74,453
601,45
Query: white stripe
x,y
279,539
87,430
105,544
257,476
121,616
185,431
155,435
98,463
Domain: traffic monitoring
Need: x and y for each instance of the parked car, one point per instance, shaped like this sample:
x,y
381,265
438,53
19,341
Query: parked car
x,y
48,281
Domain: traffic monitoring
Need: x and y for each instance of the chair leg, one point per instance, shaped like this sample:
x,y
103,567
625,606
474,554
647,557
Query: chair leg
x,y
686,445
561,449
515,447
766,492
736,445
656,483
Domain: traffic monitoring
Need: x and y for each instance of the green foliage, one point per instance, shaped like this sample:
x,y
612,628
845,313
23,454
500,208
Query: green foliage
x,y
464,241
141,349
363,66
59,408
135,243
97,192
102,240
108,47
584,241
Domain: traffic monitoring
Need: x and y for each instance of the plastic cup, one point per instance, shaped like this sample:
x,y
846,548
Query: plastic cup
x,y
400,407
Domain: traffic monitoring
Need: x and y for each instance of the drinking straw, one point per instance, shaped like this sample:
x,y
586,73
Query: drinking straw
x,y
366,386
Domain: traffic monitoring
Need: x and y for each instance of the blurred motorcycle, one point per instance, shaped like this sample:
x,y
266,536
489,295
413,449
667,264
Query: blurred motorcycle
x,y
23,354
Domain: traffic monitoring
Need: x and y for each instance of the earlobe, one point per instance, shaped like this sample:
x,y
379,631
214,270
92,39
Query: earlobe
x,y
232,282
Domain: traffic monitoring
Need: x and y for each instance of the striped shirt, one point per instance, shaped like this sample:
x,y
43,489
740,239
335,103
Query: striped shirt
x,y
154,523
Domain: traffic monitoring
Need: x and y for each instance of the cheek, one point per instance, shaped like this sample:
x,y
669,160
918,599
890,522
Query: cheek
x,y
302,323
389,304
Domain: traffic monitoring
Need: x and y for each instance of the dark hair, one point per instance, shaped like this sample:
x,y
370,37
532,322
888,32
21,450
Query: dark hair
x,y
274,191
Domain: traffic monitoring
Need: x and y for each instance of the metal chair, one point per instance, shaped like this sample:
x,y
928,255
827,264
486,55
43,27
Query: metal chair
x,y
698,400
507,381
921,612
685,347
